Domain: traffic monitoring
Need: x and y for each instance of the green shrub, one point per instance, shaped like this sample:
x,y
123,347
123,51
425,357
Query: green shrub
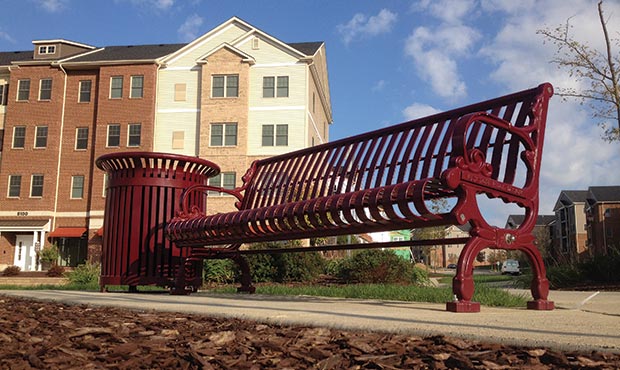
x,y
285,267
55,271
560,276
219,271
49,255
379,266
603,269
86,274
11,271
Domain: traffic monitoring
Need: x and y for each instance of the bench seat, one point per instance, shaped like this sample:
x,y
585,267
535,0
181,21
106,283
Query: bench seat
x,y
394,207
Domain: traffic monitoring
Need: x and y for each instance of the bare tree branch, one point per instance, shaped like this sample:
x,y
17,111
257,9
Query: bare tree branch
x,y
599,69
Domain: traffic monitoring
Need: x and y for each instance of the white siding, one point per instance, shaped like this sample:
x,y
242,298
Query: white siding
x,y
165,90
167,123
296,131
189,59
296,90
177,115
267,52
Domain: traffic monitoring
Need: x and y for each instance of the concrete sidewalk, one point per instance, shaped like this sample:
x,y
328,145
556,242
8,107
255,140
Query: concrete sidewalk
x,y
582,321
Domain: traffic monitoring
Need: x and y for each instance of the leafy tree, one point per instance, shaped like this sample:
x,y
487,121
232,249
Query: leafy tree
x,y
599,70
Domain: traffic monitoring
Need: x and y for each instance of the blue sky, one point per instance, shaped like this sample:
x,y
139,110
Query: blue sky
x,y
388,60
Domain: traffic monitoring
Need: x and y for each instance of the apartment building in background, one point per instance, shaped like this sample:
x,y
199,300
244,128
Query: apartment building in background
x,y
602,209
231,96
570,242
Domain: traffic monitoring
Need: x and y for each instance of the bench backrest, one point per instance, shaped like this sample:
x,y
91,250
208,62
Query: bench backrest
x,y
415,150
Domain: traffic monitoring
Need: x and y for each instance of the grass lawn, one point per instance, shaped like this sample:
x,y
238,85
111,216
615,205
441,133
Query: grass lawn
x,y
394,292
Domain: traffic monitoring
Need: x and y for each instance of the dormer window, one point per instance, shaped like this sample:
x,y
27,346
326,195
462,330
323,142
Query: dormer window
x,y
51,49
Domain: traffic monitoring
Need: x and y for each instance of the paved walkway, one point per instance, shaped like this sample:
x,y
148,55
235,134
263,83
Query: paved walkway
x,y
582,320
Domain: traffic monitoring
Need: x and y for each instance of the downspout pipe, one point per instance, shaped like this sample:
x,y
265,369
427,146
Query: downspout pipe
x,y
62,126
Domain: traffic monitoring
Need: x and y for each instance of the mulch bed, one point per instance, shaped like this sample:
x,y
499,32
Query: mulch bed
x,y
47,335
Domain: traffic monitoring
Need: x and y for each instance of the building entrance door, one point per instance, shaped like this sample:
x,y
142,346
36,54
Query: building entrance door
x,y
25,256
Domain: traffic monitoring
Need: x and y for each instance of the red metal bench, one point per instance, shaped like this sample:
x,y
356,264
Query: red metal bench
x,y
383,180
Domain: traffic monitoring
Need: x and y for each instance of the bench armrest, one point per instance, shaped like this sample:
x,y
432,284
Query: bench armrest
x,y
470,164
186,211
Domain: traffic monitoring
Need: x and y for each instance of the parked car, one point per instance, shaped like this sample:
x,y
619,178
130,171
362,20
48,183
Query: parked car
x,y
452,266
511,267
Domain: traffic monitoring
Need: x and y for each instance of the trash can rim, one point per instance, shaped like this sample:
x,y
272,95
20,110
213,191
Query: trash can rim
x,y
156,155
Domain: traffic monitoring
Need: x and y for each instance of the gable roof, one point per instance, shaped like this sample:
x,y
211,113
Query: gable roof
x,y
307,48
604,193
576,195
541,220
245,57
301,49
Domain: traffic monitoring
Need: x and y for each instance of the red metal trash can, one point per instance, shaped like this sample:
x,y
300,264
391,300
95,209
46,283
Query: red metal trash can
x,y
143,193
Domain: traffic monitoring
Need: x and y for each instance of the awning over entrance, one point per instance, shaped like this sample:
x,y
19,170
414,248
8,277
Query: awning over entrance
x,y
99,231
68,232
23,225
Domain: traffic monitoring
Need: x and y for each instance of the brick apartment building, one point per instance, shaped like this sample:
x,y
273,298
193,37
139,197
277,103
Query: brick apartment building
x,y
602,211
233,95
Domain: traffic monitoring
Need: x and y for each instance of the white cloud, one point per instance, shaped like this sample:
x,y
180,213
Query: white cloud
x,y
151,4
52,6
434,53
418,110
379,86
164,4
188,31
574,155
5,36
448,11
362,26
509,6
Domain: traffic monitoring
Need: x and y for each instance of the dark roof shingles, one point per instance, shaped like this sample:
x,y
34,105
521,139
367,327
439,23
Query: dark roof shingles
x,y
128,52
6,57
307,48
605,193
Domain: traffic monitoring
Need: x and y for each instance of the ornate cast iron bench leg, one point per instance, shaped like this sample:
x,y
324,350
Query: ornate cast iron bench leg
x,y
246,276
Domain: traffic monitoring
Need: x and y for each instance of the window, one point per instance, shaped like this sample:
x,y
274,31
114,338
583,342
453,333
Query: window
x,y
23,90
36,186
19,137
282,86
135,130
224,180
81,138
116,87
137,87
15,184
77,187
40,140
225,86
114,135
4,91
178,139
180,92
277,137
255,43
269,87
47,49
45,89
224,134
281,135
85,87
